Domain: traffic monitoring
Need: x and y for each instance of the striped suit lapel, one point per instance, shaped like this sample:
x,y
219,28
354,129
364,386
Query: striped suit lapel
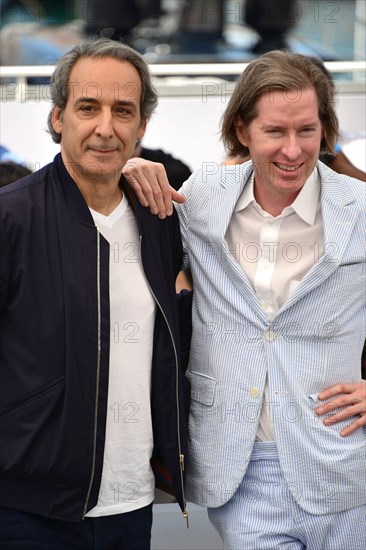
x,y
339,217
223,198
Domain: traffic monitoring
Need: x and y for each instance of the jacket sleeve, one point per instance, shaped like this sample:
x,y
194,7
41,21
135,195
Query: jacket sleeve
x,y
4,268
184,301
183,214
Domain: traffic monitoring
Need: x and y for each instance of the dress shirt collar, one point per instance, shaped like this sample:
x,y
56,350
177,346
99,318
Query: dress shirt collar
x,y
305,205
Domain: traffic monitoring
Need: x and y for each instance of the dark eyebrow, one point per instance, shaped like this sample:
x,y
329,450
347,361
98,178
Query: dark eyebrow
x,y
124,103
92,100
85,100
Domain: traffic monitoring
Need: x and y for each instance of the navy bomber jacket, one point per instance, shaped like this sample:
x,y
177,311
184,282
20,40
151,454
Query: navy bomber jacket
x,y
54,346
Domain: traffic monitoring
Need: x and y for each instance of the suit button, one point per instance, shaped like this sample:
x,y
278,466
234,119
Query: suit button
x,y
254,392
269,335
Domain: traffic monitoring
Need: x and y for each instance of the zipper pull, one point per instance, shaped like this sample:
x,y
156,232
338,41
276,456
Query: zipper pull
x,y
181,460
185,515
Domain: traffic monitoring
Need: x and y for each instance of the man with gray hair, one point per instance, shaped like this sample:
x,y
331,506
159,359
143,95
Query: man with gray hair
x,y
90,381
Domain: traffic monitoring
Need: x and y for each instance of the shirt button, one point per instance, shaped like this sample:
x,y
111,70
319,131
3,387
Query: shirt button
x,y
254,392
269,335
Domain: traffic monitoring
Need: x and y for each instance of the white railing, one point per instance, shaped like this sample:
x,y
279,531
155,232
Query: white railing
x,y
176,79
183,69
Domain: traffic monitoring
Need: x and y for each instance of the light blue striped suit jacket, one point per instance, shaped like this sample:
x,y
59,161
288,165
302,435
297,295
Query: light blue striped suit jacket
x,y
314,342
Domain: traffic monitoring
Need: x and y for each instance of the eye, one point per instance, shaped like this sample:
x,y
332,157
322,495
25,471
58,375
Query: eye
x,y
308,130
87,108
124,111
274,131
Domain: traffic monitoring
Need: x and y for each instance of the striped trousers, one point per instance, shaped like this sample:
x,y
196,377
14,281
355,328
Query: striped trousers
x,y
263,514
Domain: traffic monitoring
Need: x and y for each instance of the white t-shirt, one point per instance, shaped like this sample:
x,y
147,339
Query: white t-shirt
x,y
127,479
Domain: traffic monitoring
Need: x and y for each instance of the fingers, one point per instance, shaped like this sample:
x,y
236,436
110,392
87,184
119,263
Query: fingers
x,y
348,412
336,390
352,410
178,197
151,185
352,402
128,172
144,181
356,425
355,398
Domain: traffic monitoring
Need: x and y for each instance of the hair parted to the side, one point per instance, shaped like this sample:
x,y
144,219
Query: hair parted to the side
x,y
279,70
103,47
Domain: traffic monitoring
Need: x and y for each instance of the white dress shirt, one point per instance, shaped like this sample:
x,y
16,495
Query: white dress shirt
x,y
275,253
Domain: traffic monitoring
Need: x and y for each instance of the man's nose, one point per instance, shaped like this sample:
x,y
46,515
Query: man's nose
x,y
104,127
291,147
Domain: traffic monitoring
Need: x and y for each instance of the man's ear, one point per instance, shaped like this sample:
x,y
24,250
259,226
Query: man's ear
x,y
241,131
57,119
142,129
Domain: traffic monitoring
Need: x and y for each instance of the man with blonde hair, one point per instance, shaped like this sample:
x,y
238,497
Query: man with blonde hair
x,y
276,248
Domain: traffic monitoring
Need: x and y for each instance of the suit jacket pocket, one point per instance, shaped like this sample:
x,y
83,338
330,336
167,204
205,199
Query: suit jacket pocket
x,y
30,431
202,387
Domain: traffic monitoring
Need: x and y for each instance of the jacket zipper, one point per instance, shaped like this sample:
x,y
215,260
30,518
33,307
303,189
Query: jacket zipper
x,y
97,377
181,456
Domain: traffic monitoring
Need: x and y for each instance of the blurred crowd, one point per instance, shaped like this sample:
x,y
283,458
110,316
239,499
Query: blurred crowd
x,y
38,33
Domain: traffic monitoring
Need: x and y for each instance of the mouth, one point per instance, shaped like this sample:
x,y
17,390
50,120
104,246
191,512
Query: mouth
x,y
287,167
102,151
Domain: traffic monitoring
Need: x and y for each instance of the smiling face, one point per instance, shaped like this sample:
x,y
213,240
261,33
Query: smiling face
x,y
101,122
284,143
